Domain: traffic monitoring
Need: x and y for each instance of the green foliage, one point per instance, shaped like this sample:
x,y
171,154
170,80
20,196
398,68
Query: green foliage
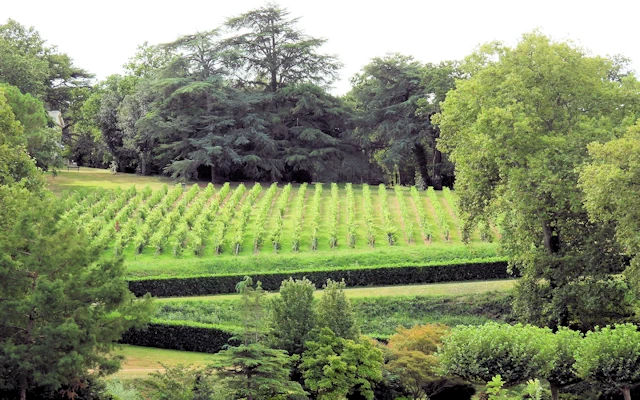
x,y
243,218
292,316
252,369
379,276
516,352
271,53
388,225
517,131
16,167
42,142
334,209
298,219
62,310
387,94
335,311
264,208
608,182
404,214
315,222
334,367
368,215
351,216
610,356
441,216
281,207
423,222
182,335
182,382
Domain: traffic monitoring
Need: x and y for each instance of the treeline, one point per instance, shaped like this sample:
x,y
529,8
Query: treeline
x,y
248,100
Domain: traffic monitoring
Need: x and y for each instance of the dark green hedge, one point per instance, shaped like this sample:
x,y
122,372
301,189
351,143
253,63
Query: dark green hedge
x,y
379,276
180,335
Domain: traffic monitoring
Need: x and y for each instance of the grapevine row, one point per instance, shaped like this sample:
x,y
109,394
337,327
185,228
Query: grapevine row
x,y
202,225
298,217
351,216
440,214
404,213
333,216
263,214
389,227
423,222
226,214
243,217
368,215
281,207
315,222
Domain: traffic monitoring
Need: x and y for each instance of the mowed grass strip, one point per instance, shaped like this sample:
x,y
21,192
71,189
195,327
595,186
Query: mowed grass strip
x,y
435,289
141,361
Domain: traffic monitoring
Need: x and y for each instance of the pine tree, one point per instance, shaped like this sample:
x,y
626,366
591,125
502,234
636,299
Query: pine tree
x,y
252,369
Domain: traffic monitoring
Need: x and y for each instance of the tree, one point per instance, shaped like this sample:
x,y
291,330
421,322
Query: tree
x,y
43,143
416,371
16,167
517,131
334,367
271,53
40,70
292,316
562,374
413,360
515,352
422,338
396,97
611,356
61,310
611,195
335,311
314,134
181,382
253,370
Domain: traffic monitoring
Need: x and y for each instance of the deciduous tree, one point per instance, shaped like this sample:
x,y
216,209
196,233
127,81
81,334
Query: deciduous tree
x,y
517,131
611,356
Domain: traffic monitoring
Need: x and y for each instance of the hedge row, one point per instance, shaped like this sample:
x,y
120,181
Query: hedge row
x,y
180,335
372,276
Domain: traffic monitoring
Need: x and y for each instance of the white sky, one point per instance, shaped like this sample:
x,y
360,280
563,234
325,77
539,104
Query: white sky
x,y
101,36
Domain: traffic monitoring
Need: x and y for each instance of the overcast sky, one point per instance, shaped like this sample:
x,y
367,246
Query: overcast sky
x,y
101,35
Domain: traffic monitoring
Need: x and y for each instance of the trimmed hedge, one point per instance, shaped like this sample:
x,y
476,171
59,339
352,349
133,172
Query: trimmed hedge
x,y
180,335
372,276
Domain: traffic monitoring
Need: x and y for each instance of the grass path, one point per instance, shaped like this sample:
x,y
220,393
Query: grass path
x,y
434,289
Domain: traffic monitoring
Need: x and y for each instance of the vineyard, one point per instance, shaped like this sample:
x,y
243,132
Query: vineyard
x,y
233,221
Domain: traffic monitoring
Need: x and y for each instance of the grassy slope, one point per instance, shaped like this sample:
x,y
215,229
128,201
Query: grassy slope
x,y
149,264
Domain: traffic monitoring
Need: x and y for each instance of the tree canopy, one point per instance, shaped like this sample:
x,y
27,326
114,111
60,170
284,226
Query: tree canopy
x,y
517,131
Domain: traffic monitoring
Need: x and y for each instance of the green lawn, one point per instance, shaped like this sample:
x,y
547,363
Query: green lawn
x,y
141,361
434,289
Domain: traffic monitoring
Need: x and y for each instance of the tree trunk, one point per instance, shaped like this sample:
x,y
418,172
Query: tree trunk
x,y
626,392
437,167
213,174
143,163
551,237
23,388
555,391
421,158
